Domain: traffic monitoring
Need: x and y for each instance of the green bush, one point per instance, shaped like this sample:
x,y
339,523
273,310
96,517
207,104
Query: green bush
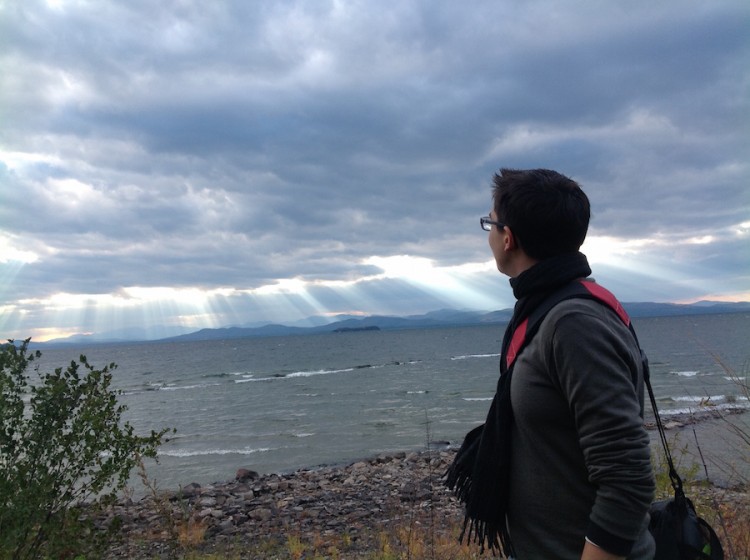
x,y
62,444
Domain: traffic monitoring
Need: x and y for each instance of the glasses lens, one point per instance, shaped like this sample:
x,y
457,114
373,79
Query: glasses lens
x,y
485,226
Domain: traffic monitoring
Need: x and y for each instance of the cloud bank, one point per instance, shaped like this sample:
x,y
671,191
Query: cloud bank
x,y
232,163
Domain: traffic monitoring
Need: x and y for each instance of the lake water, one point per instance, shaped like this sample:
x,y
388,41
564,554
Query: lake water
x,y
277,404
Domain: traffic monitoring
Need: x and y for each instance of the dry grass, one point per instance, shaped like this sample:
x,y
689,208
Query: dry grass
x,y
190,533
401,543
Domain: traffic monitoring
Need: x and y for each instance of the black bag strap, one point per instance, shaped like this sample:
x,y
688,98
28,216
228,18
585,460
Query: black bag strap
x,y
588,289
673,476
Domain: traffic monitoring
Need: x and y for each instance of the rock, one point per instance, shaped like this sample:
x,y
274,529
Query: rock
x,y
207,502
261,514
189,491
246,474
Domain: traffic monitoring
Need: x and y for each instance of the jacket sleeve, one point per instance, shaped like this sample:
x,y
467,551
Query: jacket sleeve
x,y
597,365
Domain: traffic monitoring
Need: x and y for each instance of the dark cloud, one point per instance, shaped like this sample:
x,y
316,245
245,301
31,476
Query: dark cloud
x,y
236,144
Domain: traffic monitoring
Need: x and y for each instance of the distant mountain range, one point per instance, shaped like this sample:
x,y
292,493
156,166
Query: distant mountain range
x,y
433,319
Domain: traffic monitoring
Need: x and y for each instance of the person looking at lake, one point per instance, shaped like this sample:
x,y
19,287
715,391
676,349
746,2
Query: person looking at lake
x,y
561,468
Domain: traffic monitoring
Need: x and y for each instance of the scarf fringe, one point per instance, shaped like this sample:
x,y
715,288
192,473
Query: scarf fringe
x,y
487,535
459,482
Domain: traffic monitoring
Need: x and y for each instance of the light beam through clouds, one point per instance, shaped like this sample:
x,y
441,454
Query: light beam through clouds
x,y
171,166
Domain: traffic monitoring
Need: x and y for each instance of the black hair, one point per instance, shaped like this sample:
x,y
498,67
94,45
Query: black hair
x,y
547,212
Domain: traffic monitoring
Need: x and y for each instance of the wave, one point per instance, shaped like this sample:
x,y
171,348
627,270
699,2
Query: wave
x,y
292,375
701,408
471,356
310,373
203,452
222,375
477,398
158,386
685,373
691,398
148,387
705,399
319,372
186,387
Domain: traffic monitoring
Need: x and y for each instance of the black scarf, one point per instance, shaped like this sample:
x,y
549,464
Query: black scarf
x,y
479,473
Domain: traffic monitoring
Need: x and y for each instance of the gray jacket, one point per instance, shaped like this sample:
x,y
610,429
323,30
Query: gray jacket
x,y
580,461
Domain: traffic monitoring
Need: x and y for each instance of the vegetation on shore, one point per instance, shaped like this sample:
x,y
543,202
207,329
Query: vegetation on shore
x,y
62,443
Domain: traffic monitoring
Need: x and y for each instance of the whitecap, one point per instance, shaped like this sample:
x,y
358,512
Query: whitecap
x,y
292,375
202,452
253,379
470,356
318,372
185,387
698,409
699,399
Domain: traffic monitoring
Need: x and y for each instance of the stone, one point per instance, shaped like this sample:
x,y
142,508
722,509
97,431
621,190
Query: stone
x,y
244,475
207,502
261,514
192,489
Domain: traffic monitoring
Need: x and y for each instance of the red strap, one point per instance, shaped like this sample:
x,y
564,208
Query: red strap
x,y
597,291
604,295
516,342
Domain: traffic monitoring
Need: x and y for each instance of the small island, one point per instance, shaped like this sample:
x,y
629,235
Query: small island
x,y
356,329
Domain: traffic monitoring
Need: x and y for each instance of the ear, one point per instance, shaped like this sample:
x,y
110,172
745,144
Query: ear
x,y
509,239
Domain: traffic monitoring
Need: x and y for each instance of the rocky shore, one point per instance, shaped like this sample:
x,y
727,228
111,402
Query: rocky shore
x,y
342,508
345,509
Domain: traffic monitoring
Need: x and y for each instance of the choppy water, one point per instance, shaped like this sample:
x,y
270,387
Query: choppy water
x,y
277,404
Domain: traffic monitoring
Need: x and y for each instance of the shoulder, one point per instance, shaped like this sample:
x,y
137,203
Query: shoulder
x,y
583,310
585,322
581,338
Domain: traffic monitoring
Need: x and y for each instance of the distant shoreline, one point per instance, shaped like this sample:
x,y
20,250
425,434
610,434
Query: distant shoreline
x,y
436,319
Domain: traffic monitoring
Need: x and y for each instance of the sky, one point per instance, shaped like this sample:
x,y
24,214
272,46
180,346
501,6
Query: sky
x,y
201,164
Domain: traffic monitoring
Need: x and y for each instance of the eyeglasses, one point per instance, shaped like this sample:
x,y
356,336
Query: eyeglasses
x,y
487,224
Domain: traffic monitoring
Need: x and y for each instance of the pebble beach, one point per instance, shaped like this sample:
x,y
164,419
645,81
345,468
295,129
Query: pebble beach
x,y
348,508
342,508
